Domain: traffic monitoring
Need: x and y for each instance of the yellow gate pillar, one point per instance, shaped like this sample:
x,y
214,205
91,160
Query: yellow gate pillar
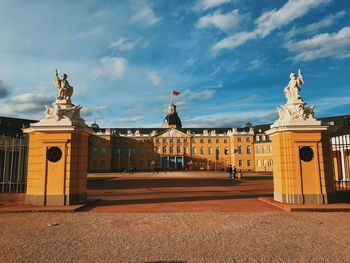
x,y
301,147
58,153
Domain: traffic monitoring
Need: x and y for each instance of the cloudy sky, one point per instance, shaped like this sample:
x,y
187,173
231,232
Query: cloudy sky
x,y
230,59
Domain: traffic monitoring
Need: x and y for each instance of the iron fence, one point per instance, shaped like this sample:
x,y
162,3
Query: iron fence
x,y
341,159
13,164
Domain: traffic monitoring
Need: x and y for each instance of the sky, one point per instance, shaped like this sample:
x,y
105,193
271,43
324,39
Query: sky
x,y
229,59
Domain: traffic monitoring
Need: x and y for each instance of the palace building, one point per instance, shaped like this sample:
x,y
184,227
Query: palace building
x,y
173,147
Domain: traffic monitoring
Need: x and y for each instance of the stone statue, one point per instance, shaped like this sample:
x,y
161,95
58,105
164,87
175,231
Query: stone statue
x,y
295,108
294,86
65,91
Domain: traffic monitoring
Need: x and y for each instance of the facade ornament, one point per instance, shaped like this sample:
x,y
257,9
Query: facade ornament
x,y
213,133
188,132
235,131
137,133
295,108
129,133
205,132
251,130
153,133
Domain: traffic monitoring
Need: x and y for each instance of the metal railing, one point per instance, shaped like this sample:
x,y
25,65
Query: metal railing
x,y
341,159
13,164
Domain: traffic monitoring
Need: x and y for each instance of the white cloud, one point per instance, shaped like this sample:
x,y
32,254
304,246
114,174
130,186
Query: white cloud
x,y
124,44
225,22
26,103
130,119
155,77
143,13
255,64
190,61
270,21
206,94
322,45
96,31
112,67
208,4
328,103
229,119
314,27
92,111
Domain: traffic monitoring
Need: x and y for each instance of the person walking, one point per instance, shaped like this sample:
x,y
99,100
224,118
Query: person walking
x,y
234,172
230,171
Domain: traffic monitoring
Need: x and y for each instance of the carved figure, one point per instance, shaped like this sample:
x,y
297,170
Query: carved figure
x,y
294,86
65,91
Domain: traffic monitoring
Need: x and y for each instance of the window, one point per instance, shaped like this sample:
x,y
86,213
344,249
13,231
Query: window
x,y
94,150
240,162
264,138
194,150
185,150
210,151
164,149
257,138
248,163
225,140
171,149
248,150
259,163
270,162
217,140
265,163
185,140
239,139
171,140
202,150
94,164
142,151
257,149
247,139
178,140
178,149
264,149
201,141
149,151
133,152
158,150
239,150
209,140
103,150
226,151
217,151
164,140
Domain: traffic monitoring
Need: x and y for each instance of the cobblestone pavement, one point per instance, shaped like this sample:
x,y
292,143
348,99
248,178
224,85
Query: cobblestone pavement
x,y
175,237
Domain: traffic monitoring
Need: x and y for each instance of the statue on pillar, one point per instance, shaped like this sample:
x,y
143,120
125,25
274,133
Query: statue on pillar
x,y
65,91
294,86
295,108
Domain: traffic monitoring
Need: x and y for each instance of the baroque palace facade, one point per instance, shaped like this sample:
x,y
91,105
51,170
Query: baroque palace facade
x,y
175,148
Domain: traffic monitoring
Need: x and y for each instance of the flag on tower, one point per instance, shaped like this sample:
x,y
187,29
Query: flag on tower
x,y
176,93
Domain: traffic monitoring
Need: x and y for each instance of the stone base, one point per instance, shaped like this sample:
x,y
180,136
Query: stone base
x,y
55,200
304,198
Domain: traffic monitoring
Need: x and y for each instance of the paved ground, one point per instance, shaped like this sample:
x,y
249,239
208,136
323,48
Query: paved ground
x,y
175,237
212,219
178,192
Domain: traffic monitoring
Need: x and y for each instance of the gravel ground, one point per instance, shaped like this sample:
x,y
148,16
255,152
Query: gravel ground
x,y
175,237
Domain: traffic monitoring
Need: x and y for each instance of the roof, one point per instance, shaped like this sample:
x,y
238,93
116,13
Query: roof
x,y
13,126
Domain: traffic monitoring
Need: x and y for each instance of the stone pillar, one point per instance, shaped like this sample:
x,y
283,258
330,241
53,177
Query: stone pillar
x,y
58,155
302,167
302,154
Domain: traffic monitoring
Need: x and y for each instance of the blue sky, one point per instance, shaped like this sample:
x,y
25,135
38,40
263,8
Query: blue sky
x,y
230,59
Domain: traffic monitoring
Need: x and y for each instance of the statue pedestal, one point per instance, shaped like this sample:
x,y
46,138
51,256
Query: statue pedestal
x,y
57,165
302,169
58,157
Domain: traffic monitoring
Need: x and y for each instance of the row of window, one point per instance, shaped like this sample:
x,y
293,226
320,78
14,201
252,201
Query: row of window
x,y
263,137
263,149
265,163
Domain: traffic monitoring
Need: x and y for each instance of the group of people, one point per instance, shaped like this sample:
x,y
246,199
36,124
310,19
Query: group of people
x,y
232,171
